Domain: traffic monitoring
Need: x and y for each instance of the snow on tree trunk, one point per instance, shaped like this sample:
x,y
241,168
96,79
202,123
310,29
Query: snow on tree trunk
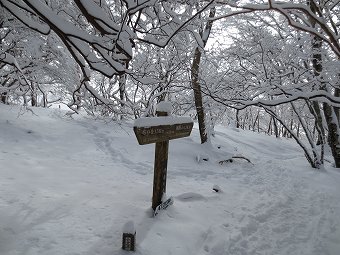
x,y
204,35
198,95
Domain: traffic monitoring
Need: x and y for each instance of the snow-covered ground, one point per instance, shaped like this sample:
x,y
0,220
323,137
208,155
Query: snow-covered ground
x,y
68,186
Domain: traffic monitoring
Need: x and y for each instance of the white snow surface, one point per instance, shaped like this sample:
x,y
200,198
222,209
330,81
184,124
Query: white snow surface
x,y
129,227
68,186
159,121
164,106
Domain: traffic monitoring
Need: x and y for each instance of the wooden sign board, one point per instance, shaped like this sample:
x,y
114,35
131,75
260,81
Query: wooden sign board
x,y
155,134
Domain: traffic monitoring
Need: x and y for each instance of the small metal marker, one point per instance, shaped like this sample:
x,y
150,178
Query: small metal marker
x,y
129,237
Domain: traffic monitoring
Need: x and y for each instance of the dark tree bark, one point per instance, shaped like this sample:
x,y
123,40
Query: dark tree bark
x,y
34,99
276,128
196,86
333,134
329,111
204,33
237,118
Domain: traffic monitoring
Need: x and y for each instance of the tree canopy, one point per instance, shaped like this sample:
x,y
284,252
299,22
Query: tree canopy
x,y
269,66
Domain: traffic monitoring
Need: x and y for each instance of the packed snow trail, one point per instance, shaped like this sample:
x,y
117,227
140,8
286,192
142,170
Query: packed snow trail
x,y
68,185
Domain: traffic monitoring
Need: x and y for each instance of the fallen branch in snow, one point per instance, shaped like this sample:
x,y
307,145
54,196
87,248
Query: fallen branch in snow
x,y
231,160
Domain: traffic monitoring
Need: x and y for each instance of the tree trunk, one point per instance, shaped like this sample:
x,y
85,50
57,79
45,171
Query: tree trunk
x,y
328,111
276,128
122,83
34,102
318,122
333,132
204,33
270,130
337,94
237,118
44,96
122,89
198,95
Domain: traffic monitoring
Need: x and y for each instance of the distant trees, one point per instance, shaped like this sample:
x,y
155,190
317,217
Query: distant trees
x,y
32,65
281,70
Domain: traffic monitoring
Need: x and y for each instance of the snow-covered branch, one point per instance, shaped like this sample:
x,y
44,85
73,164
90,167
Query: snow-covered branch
x,y
299,16
105,41
240,104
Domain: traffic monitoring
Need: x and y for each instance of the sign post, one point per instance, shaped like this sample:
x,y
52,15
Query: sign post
x,y
160,169
160,130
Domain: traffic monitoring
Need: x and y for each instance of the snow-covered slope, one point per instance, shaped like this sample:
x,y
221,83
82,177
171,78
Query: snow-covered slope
x,y
68,186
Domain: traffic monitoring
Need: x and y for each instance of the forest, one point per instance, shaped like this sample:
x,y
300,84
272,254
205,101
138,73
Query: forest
x,y
267,66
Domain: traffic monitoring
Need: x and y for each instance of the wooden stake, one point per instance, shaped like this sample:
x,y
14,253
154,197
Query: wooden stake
x,y
160,173
160,169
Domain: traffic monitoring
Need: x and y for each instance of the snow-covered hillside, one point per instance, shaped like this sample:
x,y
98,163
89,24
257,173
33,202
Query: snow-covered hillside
x,y
67,187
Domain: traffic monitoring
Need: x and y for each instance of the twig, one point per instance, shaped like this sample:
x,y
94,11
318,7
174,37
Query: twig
x,y
233,157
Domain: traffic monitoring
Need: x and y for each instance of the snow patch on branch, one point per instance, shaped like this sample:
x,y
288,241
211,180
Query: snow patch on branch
x,y
9,59
42,28
164,106
161,121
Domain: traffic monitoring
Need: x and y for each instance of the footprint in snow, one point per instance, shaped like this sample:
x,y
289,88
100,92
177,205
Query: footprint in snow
x,y
190,196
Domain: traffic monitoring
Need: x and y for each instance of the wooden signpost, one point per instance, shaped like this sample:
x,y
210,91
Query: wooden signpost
x,y
160,130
